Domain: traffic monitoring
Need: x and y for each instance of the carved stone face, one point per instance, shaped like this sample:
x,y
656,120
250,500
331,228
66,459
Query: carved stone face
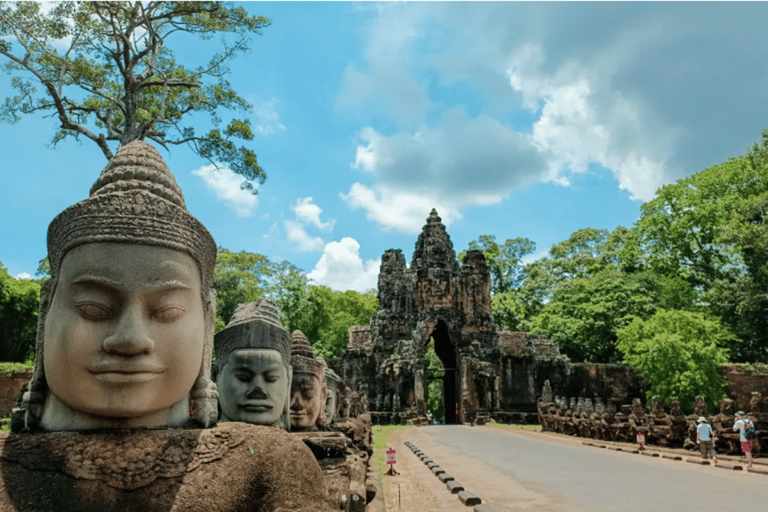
x,y
308,396
253,386
331,403
124,338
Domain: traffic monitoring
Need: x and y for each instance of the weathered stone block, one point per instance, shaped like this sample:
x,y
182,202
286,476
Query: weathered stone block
x,y
445,477
437,470
469,498
454,486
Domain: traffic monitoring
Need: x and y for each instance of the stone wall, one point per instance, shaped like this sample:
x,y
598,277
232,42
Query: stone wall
x,y
743,380
10,386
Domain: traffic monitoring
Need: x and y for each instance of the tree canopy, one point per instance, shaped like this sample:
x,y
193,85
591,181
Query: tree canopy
x,y
19,302
107,72
678,353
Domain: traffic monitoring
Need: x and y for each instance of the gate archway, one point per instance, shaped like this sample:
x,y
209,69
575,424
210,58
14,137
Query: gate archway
x,y
446,352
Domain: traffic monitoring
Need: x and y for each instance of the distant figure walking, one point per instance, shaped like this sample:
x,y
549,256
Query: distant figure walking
x,y
741,425
704,438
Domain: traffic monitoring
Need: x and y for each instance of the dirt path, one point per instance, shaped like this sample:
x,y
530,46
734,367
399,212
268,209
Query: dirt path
x,y
415,489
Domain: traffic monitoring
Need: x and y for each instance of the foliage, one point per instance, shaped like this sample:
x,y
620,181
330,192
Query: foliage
x,y
509,312
331,313
289,288
237,278
19,302
678,353
7,368
108,74
504,261
585,314
435,399
680,228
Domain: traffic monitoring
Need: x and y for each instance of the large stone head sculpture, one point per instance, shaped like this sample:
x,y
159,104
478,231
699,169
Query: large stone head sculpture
x,y
126,320
308,389
253,366
333,386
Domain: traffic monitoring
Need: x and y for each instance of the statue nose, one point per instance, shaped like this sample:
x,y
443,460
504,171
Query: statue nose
x,y
131,334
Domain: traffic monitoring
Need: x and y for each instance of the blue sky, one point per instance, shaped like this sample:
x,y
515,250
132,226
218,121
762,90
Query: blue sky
x,y
511,119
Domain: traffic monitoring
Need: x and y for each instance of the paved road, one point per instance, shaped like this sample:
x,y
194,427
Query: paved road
x,y
517,471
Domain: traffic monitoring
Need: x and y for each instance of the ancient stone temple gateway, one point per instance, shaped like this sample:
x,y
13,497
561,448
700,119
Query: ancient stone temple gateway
x,y
486,371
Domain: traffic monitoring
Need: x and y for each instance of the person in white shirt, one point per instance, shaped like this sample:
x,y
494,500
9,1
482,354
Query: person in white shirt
x,y
742,423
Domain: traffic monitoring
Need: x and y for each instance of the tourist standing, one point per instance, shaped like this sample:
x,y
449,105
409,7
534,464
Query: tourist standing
x,y
704,438
741,425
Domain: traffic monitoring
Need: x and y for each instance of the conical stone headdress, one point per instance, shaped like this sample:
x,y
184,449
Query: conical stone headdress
x,y
253,325
135,200
303,357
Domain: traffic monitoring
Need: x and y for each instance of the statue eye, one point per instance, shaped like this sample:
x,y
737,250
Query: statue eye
x,y
272,378
243,377
168,314
93,311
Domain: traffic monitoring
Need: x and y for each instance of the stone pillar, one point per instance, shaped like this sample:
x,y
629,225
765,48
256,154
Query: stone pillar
x,y
421,406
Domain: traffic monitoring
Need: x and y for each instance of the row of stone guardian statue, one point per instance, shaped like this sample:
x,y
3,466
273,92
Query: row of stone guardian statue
x,y
125,409
584,418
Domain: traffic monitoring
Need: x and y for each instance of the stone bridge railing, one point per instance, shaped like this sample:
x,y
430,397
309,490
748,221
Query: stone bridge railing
x,y
580,417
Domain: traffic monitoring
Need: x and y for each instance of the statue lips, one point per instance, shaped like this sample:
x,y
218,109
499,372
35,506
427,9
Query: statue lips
x,y
126,373
257,407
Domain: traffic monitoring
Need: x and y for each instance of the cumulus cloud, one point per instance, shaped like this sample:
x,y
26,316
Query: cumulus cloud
x,y
225,184
581,123
398,209
309,213
297,234
513,94
341,267
23,275
267,118
464,161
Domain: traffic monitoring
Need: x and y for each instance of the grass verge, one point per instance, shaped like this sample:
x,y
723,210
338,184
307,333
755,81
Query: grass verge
x,y
381,435
14,368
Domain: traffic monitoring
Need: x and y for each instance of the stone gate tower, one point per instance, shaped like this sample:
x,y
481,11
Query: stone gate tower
x,y
433,298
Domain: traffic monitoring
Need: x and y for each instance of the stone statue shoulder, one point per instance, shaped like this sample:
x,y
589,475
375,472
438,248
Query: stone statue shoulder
x,y
233,466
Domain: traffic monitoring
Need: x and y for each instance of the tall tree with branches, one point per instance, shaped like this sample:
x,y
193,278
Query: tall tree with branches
x,y
106,71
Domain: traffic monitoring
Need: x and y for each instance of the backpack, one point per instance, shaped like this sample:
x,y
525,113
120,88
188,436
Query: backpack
x,y
749,430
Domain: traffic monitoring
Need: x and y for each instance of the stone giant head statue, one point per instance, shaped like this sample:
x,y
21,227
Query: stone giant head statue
x,y
308,389
253,366
333,400
126,320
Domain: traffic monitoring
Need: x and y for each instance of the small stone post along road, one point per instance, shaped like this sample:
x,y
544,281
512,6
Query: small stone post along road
x,y
517,471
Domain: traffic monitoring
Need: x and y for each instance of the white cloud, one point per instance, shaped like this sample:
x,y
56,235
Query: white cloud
x,y
583,123
309,213
225,184
297,234
341,267
23,275
397,209
268,119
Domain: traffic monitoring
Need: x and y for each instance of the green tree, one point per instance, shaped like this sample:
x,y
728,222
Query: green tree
x,y
332,313
504,261
678,353
433,366
679,230
289,288
107,73
237,278
19,302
